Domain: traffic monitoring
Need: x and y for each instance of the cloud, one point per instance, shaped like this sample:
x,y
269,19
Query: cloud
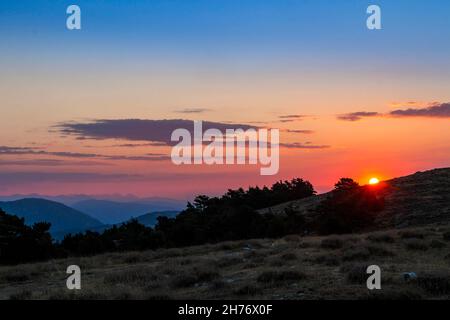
x,y
137,145
292,116
355,116
441,110
51,163
5,150
433,110
300,131
193,110
306,145
30,177
14,178
139,129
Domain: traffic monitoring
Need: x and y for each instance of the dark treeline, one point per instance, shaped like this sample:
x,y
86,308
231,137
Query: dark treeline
x,y
233,216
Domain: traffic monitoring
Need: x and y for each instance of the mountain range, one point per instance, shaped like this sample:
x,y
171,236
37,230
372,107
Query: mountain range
x,y
113,212
63,219
91,214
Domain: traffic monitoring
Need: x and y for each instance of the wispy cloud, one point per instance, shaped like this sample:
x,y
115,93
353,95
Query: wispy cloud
x,y
435,111
432,110
13,178
306,145
292,116
300,131
51,163
5,150
139,129
138,145
193,110
355,116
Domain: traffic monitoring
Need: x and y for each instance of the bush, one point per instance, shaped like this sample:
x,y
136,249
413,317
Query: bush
x,y
411,234
22,295
381,237
354,254
394,294
248,290
446,236
436,284
184,280
379,251
289,256
436,244
414,244
194,276
280,276
356,274
138,276
328,260
332,243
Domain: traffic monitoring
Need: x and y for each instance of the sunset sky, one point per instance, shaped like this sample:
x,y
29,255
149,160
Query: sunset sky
x,y
82,110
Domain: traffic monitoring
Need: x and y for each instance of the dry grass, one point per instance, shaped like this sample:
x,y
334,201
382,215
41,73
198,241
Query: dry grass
x,y
293,267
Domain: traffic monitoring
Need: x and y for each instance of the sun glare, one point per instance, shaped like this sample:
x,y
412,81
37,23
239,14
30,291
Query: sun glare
x,y
374,181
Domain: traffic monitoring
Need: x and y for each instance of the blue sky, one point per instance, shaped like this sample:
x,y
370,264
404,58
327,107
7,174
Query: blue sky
x,y
219,29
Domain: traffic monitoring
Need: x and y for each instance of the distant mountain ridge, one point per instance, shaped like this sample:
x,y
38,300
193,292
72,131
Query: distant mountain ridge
x,y
150,219
62,218
71,199
113,212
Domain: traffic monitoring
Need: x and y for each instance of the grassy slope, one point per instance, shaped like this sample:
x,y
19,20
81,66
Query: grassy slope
x,y
290,268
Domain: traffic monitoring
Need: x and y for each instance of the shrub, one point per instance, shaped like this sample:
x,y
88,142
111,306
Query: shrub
x,y
184,280
379,251
289,256
381,237
446,236
410,234
158,297
194,276
332,243
414,244
356,274
394,294
435,284
141,276
280,276
225,262
292,238
328,260
22,295
356,254
248,290
436,244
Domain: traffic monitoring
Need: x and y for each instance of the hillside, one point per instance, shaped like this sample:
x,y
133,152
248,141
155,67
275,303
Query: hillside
x,y
293,267
62,217
418,199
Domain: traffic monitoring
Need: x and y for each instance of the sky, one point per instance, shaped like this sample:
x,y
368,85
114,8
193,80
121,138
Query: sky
x,y
89,111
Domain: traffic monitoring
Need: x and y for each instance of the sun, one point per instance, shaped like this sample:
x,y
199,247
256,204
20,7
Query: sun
x,y
374,181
